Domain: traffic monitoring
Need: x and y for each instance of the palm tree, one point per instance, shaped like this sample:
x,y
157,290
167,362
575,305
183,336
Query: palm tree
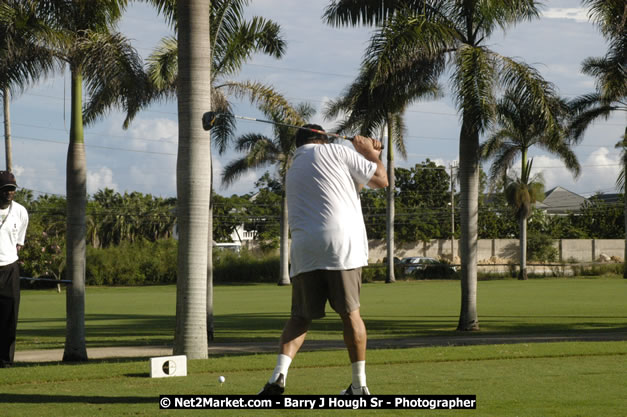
x,y
233,42
193,177
260,151
374,108
23,58
112,72
609,72
452,34
518,128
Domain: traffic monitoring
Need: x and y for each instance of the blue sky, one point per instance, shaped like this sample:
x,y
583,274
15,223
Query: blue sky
x,y
320,62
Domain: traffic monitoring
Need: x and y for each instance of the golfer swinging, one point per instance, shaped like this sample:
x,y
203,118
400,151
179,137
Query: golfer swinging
x,y
329,244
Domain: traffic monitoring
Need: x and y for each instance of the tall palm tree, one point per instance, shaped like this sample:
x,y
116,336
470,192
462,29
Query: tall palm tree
x,y
193,177
610,74
233,41
23,57
519,127
371,108
104,60
453,34
260,151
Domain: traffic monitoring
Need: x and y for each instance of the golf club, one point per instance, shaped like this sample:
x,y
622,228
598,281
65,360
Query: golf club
x,y
58,281
209,117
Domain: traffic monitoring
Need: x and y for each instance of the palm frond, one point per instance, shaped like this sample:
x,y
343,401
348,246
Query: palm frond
x,y
116,78
224,126
399,132
261,152
24,33
405,38
258,35
609,15
474,80
526,82
163,66
489,15
620,181
369,12
583,118
503,159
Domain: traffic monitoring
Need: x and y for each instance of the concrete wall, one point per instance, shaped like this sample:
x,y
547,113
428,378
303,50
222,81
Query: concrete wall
x,y
503,250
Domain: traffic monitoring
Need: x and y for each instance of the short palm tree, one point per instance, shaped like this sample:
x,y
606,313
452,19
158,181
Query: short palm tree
x,y
372,108
23,56
518,128
112,72
453,35
610,74
261,151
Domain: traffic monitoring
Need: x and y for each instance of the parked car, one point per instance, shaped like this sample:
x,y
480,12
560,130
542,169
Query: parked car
x,y
424,267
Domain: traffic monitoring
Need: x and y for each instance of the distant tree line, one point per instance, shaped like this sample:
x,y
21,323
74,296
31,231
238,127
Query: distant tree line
x,y
422,196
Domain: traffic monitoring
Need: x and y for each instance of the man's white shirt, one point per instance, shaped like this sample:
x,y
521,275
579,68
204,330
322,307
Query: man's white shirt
x,y
12,232
324,209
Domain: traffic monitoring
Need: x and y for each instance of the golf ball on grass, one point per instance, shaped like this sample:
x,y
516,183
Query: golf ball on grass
x,y
221,379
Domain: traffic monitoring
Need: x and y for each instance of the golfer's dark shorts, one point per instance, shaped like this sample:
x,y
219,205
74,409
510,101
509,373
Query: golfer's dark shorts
x,y
311,290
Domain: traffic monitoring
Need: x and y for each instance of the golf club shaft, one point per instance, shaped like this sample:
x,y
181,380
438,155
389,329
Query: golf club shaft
x,y
209,117
58,281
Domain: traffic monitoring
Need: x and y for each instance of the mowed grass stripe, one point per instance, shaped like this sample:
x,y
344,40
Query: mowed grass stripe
x,y
576,383
127,316
109,369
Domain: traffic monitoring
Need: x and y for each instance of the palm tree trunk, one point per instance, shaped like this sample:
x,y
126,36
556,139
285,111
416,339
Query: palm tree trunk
x,y
210,321
284,278
625,205
7,130
522,275
76,189
193,178
390,213
469,207
522,221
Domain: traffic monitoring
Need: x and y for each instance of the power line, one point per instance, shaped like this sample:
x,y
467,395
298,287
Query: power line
x,y
97,146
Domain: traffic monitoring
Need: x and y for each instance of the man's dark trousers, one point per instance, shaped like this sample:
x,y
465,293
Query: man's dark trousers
x,y
9,307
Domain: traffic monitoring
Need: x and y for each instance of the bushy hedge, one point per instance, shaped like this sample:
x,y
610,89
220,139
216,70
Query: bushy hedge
x,y
540,248
229,267
137,263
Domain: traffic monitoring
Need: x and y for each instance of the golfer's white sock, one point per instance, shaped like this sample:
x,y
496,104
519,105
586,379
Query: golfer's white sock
x,y
359,374
282,365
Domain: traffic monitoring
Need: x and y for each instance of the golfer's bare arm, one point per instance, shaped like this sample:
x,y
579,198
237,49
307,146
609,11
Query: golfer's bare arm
x,y
371,149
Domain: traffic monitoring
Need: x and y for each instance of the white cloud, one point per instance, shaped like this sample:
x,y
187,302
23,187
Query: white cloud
x,y
578,14
145,134
98,180
599,171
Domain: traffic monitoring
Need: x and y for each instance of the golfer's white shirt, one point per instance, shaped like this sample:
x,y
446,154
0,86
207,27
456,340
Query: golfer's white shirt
x,y
324,211
12,232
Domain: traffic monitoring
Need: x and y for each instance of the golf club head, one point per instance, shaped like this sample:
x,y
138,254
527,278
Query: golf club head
x,y
207,120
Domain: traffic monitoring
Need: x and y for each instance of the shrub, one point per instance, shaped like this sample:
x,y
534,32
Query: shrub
x,y
540,248
230,267
375,272
137,263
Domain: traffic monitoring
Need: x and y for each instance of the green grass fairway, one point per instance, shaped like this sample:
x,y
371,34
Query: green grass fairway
x,y
127,316
545,379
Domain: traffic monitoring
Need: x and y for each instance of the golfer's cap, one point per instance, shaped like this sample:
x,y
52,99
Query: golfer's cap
x,y
7,180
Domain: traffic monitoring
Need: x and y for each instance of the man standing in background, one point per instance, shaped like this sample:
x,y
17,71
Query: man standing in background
x,y
13,224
